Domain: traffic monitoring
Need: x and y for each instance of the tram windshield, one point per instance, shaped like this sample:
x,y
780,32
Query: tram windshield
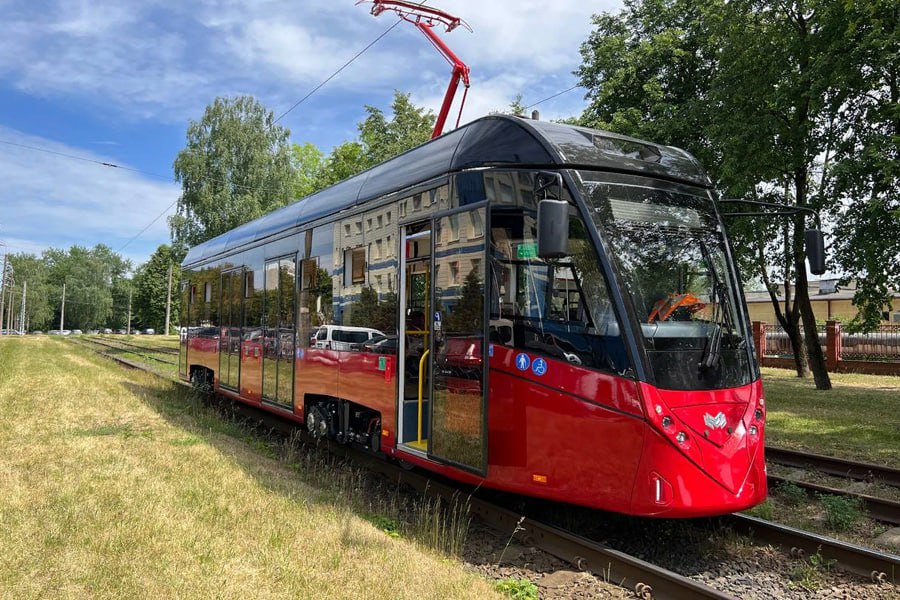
x,y
671,258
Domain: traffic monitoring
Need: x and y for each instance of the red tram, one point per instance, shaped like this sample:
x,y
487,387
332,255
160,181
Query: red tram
x,y
535,307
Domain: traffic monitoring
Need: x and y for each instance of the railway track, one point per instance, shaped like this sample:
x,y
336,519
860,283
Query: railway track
x,y
132,348
159,349
880,509
647,580
838,467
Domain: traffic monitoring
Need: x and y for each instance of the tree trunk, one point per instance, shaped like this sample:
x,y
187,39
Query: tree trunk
x,y
801,299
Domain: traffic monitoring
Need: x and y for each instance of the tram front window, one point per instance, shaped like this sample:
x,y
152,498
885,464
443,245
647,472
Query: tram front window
x,y
558,308
672,263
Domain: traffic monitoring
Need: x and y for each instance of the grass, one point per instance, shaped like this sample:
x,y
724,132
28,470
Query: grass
x,y
115,484
858,419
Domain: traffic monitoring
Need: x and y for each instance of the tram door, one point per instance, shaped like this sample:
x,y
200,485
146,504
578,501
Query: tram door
x,y
279,334
230,329
459,342
415,339
250,377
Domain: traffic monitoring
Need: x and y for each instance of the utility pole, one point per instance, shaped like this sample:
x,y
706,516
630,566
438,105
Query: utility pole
x,y
22,316
129,311
3,288
62,310
168,301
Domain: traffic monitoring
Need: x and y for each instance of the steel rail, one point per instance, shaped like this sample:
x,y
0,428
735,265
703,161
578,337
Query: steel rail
x,y
645,579
880,567
160,349
839,467
146,352
880,509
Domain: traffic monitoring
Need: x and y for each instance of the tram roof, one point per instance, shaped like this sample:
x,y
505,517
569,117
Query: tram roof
x,y
492,141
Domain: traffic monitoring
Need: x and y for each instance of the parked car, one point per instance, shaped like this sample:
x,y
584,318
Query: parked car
x,y
107,331
150,331
337,337
383,344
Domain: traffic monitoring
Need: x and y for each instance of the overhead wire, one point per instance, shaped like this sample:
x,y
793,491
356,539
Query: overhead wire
x,y
344,66
553,96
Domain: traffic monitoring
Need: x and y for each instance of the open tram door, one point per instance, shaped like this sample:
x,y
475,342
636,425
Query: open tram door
x,y
444,357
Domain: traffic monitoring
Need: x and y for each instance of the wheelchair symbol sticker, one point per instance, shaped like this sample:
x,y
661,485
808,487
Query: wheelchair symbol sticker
x,y
522,361
539,367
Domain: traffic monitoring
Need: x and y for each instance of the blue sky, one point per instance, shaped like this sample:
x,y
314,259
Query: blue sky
x,y
117,82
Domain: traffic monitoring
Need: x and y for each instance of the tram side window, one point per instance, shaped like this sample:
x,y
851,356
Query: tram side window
x,y
316,305
559,308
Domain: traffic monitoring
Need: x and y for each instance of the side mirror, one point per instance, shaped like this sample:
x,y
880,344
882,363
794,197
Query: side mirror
x,y
552,228
815,250
552,216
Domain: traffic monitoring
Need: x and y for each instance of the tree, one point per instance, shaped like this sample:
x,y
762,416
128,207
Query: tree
x,y
757,92
150,284
235,167
31,270
308,164
380,139
867,166
89,277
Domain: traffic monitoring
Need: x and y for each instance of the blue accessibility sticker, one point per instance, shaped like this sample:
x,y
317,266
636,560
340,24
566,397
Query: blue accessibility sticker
x,y
491,350
539,367
523,361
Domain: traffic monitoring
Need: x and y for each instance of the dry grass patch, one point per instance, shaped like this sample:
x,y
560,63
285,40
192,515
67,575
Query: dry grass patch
x,y
115,485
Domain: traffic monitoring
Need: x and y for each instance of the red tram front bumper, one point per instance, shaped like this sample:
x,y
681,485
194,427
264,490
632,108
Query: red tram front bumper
x,y
702,453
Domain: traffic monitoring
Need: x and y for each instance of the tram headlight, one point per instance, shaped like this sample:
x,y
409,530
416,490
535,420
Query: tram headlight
x,y
753,431
681,437
666,422
758,414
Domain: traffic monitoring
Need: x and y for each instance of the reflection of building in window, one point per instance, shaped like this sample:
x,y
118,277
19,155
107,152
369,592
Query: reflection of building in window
x,y
477,225
454,227
358,268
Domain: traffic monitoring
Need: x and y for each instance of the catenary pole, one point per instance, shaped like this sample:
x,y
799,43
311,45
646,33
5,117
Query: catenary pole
x,y
62,310
3,288
22,316
168,301
129,311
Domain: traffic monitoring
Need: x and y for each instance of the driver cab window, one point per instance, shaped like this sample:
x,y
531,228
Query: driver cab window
x,y
557,308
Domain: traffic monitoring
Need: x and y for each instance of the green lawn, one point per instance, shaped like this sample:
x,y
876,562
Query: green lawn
x,y
858,419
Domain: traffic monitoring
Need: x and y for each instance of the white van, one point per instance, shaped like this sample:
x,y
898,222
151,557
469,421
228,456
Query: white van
x,y
338,337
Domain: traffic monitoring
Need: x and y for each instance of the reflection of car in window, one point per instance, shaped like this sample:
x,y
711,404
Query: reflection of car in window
x,y
338,337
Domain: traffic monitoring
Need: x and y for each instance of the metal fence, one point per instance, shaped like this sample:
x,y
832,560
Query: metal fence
x,y
883,344
779,344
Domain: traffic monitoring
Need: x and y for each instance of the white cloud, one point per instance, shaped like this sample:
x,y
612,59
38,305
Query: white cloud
x,y
166,60
55,201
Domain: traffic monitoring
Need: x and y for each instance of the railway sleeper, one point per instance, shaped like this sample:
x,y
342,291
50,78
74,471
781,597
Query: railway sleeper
x,y
344,422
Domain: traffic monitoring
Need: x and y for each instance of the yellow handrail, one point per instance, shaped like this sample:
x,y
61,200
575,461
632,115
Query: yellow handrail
x,y
421,383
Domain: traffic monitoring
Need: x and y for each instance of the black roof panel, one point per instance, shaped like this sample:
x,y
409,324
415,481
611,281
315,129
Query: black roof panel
x,y
496,140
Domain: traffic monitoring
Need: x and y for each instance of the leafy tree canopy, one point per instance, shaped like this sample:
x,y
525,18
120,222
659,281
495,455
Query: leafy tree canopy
x,y
235,167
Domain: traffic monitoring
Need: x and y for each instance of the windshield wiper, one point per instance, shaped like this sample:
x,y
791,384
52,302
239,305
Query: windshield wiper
x,y
721,317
